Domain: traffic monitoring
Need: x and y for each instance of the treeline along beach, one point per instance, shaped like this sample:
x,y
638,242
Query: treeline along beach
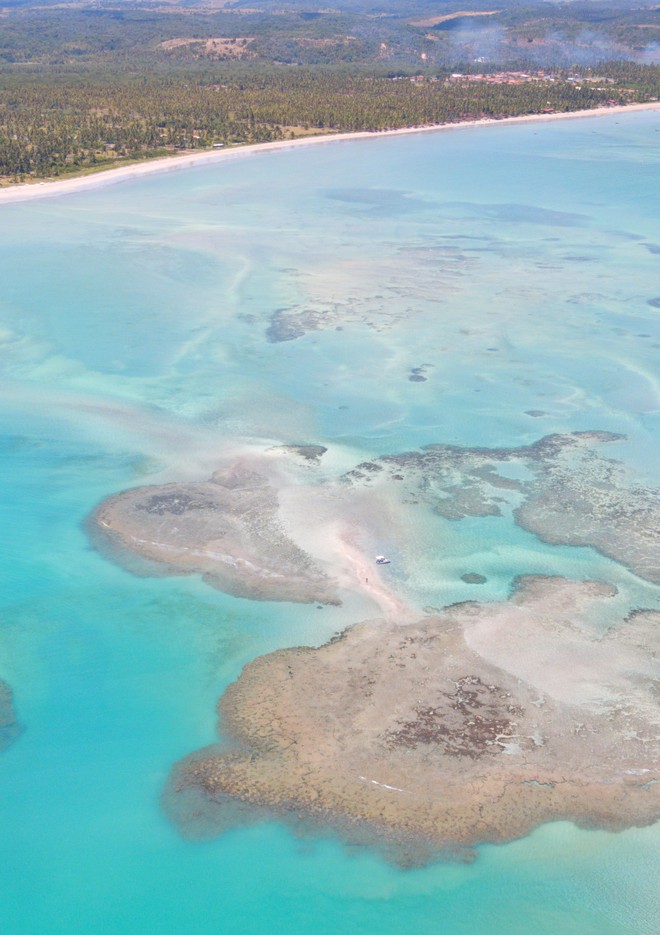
x,y
70,121
85,87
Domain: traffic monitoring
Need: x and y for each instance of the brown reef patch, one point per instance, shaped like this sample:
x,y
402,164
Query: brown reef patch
x,y
475,725
571,496
312,454
10,728
226,529
378,295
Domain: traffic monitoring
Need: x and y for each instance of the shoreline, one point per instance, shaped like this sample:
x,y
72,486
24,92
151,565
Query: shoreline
x,y
29,191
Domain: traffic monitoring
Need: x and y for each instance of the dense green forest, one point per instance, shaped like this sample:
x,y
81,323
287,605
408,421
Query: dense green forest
x,y
86,86
356,31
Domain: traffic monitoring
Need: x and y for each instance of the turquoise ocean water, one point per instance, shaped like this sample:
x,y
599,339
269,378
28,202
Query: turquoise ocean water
x,y
518,266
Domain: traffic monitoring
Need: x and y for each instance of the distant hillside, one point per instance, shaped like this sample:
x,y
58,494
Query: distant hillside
x,y
369,33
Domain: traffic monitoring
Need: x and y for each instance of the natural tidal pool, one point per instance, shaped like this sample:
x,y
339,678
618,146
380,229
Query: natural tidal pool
x,y
472,289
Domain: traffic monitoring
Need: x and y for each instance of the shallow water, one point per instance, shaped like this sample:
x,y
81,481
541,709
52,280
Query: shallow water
x,y
515,266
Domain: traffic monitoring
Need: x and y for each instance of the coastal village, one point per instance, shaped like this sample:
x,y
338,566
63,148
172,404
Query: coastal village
x,y
514,78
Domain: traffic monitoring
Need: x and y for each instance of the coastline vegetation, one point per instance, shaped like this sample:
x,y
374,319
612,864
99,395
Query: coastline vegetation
x,y
63,122
84,88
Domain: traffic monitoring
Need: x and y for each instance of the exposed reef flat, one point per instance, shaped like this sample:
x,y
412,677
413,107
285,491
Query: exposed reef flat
x,y
9,726
569,494
251,537
583,499
226,529
474,725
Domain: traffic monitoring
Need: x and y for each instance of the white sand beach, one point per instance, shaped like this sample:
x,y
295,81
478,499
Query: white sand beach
x,y
47,189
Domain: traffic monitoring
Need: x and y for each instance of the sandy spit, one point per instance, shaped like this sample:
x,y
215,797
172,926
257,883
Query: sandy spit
x,y
33,190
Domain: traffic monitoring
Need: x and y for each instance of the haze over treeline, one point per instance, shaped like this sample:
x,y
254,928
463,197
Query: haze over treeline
x,y
352,31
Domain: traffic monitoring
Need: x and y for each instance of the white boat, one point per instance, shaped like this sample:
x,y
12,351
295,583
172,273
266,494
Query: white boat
x,y
381,560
